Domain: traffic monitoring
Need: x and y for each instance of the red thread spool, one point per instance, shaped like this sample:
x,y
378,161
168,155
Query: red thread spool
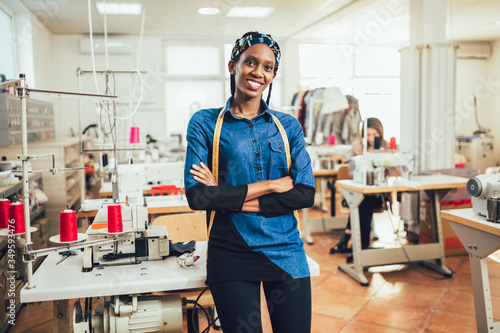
x,y
4,213
16,217
67,226
392,143
115,222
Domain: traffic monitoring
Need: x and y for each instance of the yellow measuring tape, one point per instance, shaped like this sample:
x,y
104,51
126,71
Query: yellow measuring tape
x,y
215,158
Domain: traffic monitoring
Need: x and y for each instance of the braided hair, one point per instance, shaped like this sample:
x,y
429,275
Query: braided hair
x,y
243,43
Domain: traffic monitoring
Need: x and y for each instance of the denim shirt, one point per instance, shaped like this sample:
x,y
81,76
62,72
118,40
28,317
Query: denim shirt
x,y
251,151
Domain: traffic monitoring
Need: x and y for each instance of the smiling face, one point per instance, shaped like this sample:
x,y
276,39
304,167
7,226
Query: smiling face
x,y
253,71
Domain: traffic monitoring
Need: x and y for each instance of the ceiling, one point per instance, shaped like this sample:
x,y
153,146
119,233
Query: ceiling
x,y
328,20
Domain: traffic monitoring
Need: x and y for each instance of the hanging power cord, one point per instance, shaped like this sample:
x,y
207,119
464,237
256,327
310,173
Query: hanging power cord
x,y
196,303
403,248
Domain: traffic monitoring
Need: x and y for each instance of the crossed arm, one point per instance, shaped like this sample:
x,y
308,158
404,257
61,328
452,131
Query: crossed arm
x,y
203,175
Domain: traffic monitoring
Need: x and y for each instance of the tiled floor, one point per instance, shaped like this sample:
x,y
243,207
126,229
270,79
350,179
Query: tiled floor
x,y
400,298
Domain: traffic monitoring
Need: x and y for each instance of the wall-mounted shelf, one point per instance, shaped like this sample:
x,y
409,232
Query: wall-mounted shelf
x,y
40,120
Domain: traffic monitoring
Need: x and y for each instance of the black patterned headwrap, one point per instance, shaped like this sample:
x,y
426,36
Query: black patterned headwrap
x,y
255,38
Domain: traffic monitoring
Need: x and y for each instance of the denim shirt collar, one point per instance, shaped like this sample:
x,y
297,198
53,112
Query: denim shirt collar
x,y
265,114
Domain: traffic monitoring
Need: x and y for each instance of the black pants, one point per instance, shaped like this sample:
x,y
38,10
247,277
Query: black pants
x,y
366,207
288,303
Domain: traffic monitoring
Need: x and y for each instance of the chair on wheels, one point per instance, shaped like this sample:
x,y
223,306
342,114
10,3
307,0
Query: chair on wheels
x,y
184,228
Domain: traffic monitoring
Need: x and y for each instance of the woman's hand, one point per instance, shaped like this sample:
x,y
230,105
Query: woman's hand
x,y
203,174
282,185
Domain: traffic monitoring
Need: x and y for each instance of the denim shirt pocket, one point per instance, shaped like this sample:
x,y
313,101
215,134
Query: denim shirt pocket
x,y
278,156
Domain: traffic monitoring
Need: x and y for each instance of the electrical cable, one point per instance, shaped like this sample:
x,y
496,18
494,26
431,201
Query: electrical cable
x,y
403,248
89,2
196,303
106,55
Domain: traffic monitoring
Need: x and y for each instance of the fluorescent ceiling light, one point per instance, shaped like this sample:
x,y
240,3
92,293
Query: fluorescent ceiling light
x,y
119,8
250,11
208,10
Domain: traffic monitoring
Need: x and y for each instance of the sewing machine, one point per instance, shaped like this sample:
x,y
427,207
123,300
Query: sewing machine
x,y
138,241
371,167
485,195
325,157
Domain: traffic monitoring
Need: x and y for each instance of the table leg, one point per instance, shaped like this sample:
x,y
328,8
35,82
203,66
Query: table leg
x,y
60,310
355,270
479,244
323,187
439,264
306,234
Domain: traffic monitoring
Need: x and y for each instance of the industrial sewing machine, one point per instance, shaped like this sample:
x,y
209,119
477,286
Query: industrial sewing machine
x,y
325,157
138,241
374,167
485,195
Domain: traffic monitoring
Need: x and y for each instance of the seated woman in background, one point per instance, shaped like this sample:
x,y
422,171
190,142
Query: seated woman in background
x,y
370,203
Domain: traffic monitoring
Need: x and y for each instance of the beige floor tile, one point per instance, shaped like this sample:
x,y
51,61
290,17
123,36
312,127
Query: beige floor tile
x,y
359,326
464,266
446,322
336,304
461,281
341,282
394,315
419,274
326,324
410,294
458,301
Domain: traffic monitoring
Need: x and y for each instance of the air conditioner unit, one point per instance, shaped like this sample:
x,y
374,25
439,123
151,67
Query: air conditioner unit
x,y
474,51
115,45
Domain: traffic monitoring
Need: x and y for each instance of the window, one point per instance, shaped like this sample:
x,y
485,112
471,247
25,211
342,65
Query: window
x,y
7,54
197,77
194,80
193,60
370,74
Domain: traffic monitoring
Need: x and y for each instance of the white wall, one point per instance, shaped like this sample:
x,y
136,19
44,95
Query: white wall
x,y
42,55
470,73
491,110
479,78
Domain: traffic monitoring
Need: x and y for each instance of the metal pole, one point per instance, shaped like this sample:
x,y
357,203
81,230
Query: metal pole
x,y
80,136
26,189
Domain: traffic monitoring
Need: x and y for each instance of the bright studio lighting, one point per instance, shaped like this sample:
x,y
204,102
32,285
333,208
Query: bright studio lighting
x,y
208,10
119,8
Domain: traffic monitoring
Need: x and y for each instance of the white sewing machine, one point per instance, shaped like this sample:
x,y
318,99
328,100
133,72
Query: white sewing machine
x,y
485,195
133,178
371,167
325,156
138,241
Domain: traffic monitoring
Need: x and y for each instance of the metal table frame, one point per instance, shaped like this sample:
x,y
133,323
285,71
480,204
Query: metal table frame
x,y
480,238
432,254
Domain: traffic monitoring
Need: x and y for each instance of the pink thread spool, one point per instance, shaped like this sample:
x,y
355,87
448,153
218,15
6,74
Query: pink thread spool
x,y
115,222
4,213
331,140
67,226
16,218
134,135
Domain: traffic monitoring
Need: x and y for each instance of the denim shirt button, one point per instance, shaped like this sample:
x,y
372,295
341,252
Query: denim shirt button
x,y
257,154
254,140
259,169
251,125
